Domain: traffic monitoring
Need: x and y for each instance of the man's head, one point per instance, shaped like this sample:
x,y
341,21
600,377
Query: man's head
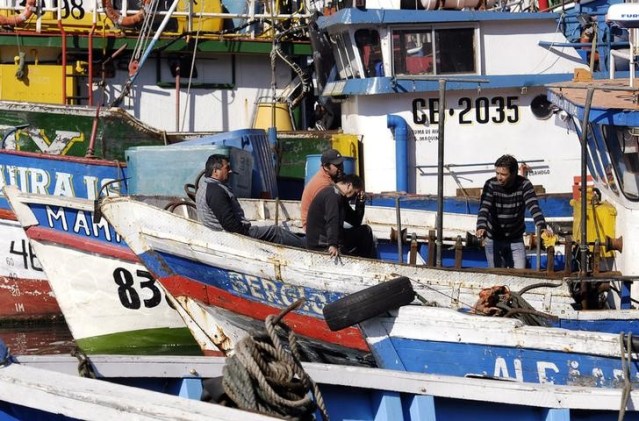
x,y
351,185
218,167
333,163
506,169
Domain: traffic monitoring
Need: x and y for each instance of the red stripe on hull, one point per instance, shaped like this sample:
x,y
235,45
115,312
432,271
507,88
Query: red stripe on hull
x,y
81,243
7,214
304,325
66,158
27,299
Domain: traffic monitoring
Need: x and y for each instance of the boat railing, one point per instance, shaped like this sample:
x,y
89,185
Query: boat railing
x,y
624,15
255,19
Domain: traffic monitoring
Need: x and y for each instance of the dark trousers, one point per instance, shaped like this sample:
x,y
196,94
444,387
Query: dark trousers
x,y
360,241
276,234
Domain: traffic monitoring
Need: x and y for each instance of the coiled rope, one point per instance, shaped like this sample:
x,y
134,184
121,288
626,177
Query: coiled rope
x,y
500,301
263,376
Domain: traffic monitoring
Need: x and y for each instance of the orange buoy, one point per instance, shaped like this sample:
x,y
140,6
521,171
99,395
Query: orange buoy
x,y
125,21
16,20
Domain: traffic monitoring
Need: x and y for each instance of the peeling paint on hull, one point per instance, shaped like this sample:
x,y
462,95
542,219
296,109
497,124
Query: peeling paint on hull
x,y
27,299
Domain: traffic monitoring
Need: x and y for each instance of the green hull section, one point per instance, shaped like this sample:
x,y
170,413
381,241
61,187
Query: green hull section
x,y
164,341
62,130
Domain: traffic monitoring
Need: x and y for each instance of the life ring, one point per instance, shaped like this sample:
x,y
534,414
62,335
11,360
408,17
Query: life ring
x,y
16,20
125,21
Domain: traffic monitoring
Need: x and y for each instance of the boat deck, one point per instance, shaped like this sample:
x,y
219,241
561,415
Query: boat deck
x,y
608,93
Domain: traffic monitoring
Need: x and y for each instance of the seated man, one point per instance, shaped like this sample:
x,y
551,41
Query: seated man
x,y
331,170
219,209
327,213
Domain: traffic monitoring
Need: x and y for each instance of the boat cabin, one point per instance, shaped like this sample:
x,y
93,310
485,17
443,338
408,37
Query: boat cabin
x,y
386,74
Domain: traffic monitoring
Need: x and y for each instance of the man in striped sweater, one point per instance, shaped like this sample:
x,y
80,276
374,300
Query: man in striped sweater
x,y
504,200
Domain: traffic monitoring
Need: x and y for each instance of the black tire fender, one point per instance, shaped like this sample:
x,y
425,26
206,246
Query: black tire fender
x,y
368,303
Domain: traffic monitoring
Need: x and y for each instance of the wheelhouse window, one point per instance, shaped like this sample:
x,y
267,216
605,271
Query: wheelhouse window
x,y
434,51
623,145
370,50
345,56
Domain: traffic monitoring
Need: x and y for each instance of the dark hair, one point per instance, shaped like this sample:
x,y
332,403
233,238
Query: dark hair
x,y
507,161
353,179
215,162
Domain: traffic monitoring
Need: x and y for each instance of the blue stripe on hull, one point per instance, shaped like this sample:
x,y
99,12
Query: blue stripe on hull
x,y
266,291
535,366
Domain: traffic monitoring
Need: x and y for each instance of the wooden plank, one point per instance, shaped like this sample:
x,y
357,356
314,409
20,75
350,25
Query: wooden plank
x,y
90,399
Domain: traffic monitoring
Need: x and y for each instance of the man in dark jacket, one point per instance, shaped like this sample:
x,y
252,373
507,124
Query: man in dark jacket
x,y
218,207
504,200
326,216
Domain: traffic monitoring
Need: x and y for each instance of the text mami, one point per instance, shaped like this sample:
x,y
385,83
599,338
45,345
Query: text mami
x,y
82,223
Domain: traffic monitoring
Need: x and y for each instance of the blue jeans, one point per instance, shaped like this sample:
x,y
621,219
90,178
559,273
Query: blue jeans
x,y
276,234
503,254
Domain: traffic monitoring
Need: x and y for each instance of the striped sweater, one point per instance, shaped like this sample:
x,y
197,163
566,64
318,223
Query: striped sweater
x,y
502,209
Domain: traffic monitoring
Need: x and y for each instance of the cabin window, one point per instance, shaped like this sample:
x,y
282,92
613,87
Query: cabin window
x,y
434,51
345,56
623,145
370,51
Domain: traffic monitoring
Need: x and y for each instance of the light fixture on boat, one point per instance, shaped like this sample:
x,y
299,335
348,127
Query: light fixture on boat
x,y
541,107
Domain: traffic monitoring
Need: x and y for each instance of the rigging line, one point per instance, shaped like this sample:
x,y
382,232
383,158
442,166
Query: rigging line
x,y
441,293
273,63
145,31
455,177
18,42
559,21
188,89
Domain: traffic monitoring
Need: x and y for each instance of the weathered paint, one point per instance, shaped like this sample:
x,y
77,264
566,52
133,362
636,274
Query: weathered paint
x,y
110,301
241,275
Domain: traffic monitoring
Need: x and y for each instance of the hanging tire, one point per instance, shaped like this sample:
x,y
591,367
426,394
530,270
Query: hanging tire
x,y
369,302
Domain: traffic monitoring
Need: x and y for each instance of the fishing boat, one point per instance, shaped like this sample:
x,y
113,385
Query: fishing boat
x,y
110,302
445,341
182,60
41,389
89,81
78,119
25,292
397,57
605,115
108,299
64,180
401,77
225,279
347,392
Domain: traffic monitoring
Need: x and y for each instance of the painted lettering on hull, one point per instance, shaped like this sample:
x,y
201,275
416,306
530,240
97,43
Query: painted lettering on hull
x,y
280,294
548,372
480,110
79,222
59,145
56,183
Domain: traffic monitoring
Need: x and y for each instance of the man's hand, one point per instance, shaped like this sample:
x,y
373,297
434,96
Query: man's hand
x,y
480,233
333,251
